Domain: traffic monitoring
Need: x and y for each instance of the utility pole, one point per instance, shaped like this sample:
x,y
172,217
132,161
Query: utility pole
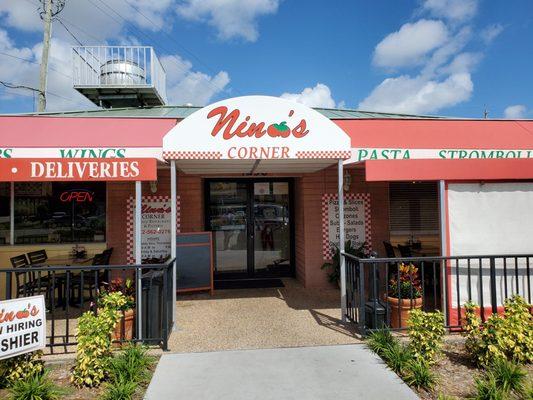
x,y
43,75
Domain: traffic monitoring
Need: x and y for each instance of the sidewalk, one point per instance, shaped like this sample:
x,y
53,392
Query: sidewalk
x,y
341,372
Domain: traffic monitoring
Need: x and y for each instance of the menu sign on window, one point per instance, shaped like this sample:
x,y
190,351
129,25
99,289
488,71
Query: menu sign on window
x,y
357,221
155,228
354,221
22,326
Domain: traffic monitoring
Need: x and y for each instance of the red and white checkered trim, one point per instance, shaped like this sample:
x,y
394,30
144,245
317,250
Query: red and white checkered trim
x,y
327,251
130,235
192,155
324,154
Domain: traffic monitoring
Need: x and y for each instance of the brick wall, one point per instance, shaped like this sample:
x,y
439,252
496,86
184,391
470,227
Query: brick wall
x,y
190,190
309,231
308,214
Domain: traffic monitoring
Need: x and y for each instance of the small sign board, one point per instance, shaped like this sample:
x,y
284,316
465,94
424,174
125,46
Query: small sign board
x,y
22,326
357,222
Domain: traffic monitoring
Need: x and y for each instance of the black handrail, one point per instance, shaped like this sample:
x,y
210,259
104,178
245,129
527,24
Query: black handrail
x,y
154,308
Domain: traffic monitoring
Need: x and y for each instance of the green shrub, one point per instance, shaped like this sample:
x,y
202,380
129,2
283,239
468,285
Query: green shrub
x,y
426,334
131,364
380,340
20,367
508,336
418,374
119,390
334,268
509,377
94,347
397,357
487,388
37,386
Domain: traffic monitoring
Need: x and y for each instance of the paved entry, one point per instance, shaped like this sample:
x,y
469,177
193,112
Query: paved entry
x,y
339,372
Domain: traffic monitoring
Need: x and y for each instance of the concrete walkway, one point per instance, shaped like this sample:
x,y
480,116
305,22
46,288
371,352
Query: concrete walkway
x,y
291,316
338,372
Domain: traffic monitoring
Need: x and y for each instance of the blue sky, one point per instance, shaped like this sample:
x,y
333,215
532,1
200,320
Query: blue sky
x,y
444,57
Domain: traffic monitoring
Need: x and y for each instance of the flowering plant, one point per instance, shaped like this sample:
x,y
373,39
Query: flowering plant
x,y
118,293
408,286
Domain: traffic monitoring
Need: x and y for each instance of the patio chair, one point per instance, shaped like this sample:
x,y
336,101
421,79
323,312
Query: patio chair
x,y
405,251
389,249
37,257
24,281
89,281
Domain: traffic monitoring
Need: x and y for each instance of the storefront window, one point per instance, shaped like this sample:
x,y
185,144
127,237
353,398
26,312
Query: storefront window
x,y
5,202
59,212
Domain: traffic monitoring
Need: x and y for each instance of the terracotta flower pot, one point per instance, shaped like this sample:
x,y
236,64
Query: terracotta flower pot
x,y
124,327
400,309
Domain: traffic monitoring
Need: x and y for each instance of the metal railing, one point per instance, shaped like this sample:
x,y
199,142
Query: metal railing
x,y
72,290
439,283
118,66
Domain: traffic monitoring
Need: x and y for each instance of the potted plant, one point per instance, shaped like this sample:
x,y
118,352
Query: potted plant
x,y
334,266
404,294
120,296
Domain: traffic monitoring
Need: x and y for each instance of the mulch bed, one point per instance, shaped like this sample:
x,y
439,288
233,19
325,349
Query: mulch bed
x,y
455,372
60,375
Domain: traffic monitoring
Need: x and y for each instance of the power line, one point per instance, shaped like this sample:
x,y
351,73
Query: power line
x,y
68,30
10,85
34,62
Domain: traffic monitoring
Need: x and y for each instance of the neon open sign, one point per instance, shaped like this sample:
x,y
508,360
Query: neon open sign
x,y
77,195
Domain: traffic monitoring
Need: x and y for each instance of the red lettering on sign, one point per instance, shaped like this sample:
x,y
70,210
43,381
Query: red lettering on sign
x,y
226,123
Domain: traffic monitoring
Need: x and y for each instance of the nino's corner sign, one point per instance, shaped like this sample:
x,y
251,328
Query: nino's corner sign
x,y
22,326
256,128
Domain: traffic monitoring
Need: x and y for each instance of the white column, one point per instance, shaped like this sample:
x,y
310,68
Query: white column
x,y
12,214
341,240
173,234
138,258
443,244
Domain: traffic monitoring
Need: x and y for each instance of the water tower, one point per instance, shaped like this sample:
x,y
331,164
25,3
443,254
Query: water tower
x,y
119,76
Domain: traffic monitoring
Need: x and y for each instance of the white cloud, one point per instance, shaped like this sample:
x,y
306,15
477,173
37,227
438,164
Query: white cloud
x,y
491,32
232,19
187,86
318,96
452,10
103,20
408,95
184,83
517,111
410,44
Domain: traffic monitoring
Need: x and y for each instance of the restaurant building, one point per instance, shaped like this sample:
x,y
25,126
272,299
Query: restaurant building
x,y
263,176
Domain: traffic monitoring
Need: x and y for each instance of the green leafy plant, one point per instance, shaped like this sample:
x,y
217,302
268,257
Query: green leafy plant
x,y
426,334
131,364
509,377
119,294
94,346
37,386
20,367
418,374
487,388
508,336
406,283
443,396
398,357
380,340
119,390
334,267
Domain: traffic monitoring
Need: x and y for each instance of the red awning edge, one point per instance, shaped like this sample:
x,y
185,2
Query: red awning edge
x,y
431,170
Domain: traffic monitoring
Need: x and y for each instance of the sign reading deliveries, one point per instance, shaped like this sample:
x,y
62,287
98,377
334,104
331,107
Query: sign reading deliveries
x,y
354,221
155,228
22,326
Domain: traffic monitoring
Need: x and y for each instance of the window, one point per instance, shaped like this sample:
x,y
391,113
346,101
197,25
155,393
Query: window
x,y
5,202
414,208
59,212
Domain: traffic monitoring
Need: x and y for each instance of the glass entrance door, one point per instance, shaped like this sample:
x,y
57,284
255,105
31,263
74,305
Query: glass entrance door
x,y
251,224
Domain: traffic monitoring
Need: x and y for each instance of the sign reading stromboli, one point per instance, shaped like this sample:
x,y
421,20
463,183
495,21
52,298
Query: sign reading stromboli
x,y
22,326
